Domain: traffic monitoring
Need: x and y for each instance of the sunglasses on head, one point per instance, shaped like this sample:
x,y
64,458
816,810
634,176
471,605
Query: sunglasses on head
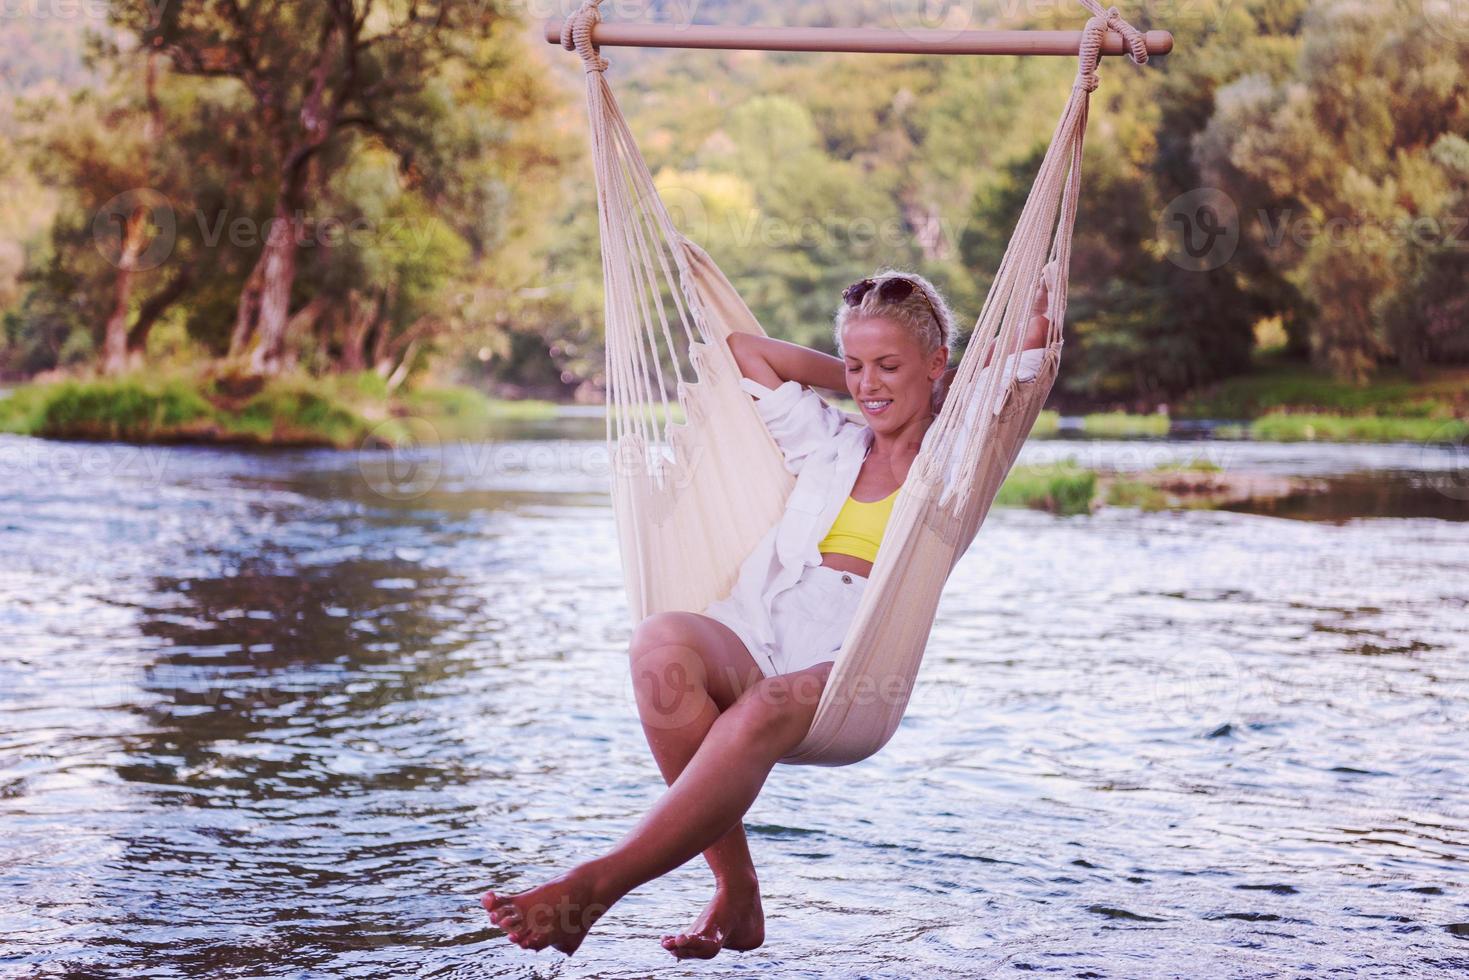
x,y
894,289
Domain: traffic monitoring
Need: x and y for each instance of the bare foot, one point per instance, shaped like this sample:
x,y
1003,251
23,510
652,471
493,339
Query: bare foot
x,y
558,913
733,919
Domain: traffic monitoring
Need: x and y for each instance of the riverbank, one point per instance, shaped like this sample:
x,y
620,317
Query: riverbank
x,y
344,411
1276,404
1287,403
1284,402
1066,488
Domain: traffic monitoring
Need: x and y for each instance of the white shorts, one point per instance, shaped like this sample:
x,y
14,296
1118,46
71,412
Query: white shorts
x,y
810,620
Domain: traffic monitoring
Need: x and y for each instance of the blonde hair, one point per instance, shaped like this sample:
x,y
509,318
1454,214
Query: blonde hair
x,y
923,312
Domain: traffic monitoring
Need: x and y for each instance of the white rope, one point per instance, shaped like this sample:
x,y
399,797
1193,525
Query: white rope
x,y
688,514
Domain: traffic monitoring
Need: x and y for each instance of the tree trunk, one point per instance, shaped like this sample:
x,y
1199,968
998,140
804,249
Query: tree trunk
x,y
303,320
155,307
382,358
265,303
392,359
400,373
358,321
246,312
115,335
277,266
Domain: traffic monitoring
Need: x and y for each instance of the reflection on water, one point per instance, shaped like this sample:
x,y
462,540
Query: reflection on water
x,y
288,713
1354,495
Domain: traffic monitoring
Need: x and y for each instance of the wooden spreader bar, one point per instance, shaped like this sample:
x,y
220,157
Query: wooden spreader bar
x,y
855,39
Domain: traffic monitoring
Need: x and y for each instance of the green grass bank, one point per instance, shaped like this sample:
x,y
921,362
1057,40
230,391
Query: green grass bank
x,y
1065,488
1292,404
342,411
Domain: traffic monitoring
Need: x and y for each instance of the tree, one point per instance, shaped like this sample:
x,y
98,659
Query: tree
x,y
1352,164
117,219
317,73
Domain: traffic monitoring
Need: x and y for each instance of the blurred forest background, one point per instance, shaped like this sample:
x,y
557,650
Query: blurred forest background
x,y
428,161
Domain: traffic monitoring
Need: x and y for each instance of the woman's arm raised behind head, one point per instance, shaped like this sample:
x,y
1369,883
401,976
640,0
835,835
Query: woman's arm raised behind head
x,y
773,362
1036,332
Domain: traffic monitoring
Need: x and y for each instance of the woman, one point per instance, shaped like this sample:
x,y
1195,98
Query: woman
x,y
724,694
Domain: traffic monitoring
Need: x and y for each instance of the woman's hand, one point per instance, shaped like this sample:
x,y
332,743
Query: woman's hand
x,y
1040,303
941,389
1038,324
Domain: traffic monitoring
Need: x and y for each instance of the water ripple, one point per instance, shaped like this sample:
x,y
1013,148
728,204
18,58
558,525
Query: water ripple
x,y
265,715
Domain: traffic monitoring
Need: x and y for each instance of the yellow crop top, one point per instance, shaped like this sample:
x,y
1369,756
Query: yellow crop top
x,y
858,529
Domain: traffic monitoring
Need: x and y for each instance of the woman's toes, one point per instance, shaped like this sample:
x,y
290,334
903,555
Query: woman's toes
x,y
503,912
696,947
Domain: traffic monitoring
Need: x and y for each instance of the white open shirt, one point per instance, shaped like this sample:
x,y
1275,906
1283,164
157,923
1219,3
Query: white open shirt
x,y
824,448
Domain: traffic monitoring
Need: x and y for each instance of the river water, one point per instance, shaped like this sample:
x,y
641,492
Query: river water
x,y
287,714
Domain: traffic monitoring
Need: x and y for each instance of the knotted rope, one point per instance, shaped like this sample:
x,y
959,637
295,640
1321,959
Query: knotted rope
x,y
1095,33
576,35
693,499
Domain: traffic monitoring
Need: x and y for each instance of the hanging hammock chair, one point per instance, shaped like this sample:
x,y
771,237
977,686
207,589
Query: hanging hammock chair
x,y
692,498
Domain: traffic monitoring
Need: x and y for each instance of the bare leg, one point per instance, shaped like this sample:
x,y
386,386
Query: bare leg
x,y
686,669
709,796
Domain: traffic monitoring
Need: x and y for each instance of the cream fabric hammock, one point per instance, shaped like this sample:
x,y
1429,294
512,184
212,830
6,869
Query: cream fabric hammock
x,y
692,498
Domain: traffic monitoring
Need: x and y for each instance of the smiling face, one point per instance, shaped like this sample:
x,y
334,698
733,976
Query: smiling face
x,y
888,374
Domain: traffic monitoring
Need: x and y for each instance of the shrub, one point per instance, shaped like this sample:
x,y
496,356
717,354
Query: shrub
x,y
132,408
1303,427
1062,489
1118,425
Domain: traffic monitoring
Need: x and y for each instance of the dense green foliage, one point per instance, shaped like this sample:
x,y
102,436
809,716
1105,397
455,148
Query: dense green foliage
x,y
1120,425
1391,394
451,227
123,408
345,410
405,159
1063,488
783,165
1357,169
1314,426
